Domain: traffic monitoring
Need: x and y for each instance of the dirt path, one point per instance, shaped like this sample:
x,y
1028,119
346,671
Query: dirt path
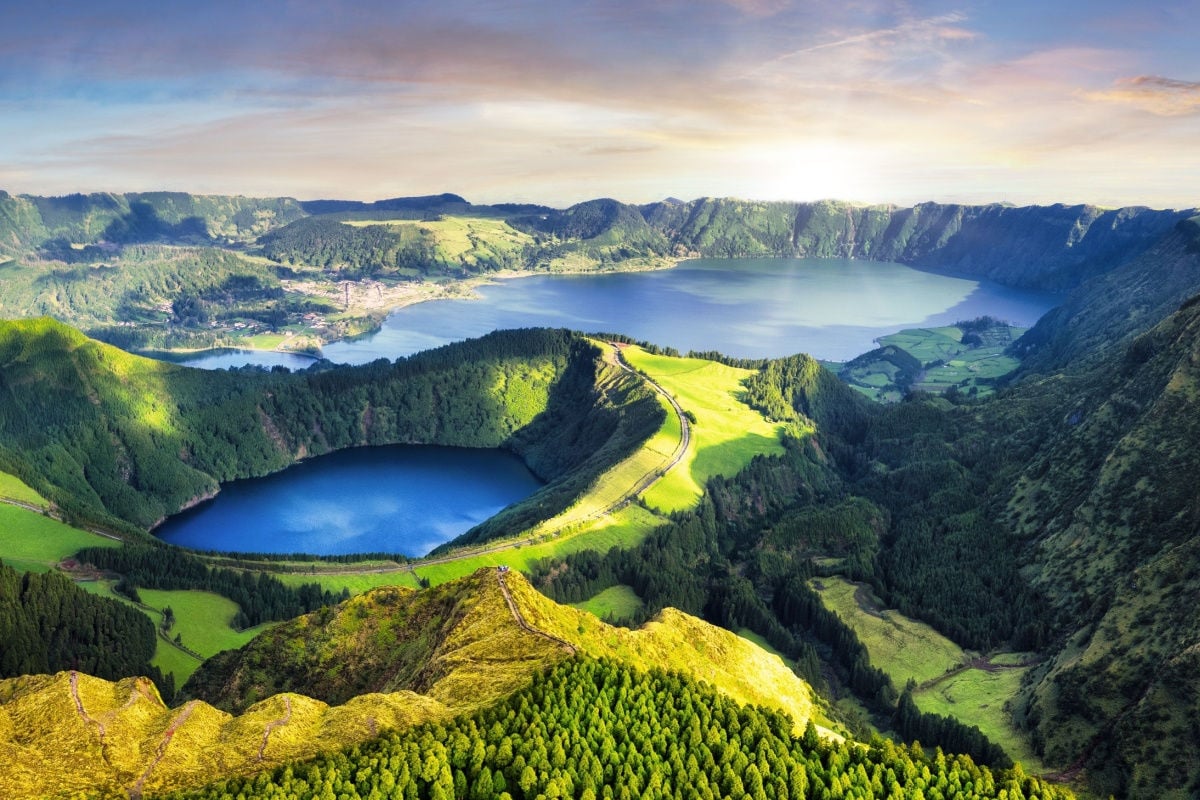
x,y
275,723
87,718
135,792
516,612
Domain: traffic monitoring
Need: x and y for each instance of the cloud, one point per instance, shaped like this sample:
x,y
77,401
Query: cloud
x,y
1165,97
759,8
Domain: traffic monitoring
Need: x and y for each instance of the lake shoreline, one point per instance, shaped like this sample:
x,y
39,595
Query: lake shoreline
x,y
463,289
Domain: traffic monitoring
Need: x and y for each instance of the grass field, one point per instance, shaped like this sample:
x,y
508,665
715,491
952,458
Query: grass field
x,y
977,697
727,433
33,542
970,367
463,239
615,602
201,620
905,648
901,647
13,488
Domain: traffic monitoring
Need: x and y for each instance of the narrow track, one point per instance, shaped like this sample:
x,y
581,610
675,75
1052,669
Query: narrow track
x,y
135,791
516,612
275,723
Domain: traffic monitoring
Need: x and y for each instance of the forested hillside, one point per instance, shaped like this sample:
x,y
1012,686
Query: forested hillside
x,y
1059,517
593,729
47,624
126,440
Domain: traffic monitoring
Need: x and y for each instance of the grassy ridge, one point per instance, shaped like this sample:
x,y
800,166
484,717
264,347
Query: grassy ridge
x,y
727,433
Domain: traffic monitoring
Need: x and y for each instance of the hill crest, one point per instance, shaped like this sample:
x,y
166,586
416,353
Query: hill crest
x,y
119,738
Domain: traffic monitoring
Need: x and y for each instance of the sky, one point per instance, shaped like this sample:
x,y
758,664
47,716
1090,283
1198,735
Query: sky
x,y
1021,101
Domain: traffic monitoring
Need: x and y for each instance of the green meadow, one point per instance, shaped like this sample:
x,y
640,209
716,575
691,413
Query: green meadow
x,y
12,488
615,602
35,543
726,435
905,648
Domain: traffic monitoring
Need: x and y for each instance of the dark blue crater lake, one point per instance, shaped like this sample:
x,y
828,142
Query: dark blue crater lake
x,y
752,308
404,499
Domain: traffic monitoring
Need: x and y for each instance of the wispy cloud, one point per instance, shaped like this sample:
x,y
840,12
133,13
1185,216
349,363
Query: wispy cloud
x,y
1165,97
888,99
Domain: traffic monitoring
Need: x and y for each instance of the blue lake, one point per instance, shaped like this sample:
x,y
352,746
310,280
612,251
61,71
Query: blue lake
x,y
829,308
411,499
404,499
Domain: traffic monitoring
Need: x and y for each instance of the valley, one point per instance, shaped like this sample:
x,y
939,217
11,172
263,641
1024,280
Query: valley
x,y
992,561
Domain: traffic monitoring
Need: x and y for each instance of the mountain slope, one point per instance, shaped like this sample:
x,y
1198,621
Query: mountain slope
x,y
125,440
1113,509
70,732
1040,247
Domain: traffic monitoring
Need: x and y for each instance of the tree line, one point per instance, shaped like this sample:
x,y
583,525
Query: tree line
x,y
48,624
261,597
593,729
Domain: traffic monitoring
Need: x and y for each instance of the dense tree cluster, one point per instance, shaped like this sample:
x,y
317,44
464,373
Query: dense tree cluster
x,y
596,729
47,624
260,596
354,251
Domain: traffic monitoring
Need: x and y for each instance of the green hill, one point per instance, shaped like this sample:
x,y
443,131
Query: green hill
x,y
462,647
125,441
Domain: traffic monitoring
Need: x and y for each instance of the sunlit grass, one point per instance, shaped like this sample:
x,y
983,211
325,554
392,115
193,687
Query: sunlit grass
x,y
14,488
34,542
903,648
615,602
202,619
978,698
625,527
727,433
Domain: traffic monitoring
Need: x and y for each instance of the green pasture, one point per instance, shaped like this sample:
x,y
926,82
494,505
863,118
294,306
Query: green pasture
x,y
12,488
33,542
202,620
903,648
727,433
979,697
615,602
927,344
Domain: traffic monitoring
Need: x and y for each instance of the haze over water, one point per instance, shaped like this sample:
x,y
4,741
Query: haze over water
x,y
752,308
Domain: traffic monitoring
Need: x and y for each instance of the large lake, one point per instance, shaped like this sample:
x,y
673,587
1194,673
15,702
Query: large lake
x,y
829,308
402,499
409,500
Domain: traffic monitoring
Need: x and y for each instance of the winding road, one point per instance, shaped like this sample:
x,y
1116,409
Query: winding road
x,y
641,485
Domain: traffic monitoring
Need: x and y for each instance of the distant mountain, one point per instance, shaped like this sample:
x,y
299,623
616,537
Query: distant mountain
x,y
1038,247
